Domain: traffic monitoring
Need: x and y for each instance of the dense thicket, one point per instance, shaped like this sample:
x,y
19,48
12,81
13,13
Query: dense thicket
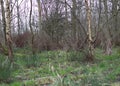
x,y
60,24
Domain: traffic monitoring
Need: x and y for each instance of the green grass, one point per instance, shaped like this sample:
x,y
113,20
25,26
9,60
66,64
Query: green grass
x,y
61,68
5,69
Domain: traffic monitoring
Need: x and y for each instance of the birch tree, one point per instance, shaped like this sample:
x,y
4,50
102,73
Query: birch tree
x,y
18,18
90,56
8,31
3,19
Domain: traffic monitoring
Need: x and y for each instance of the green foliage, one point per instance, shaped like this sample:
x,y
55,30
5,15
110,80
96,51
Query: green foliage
x,y
66,69
87,80
114,75
75,56
93,80
5,68
29,60
30,83
44,71
3,84
16,84
63,81
3,49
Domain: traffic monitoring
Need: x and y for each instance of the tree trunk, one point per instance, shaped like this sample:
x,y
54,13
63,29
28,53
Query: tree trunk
x,y
8,31
30,25
90,55
99,18
39,11
74,22
66,11
3,19
18,18
108,44
115,21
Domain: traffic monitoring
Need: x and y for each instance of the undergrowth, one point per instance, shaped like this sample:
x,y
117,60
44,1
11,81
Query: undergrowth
x,y
5,69
60,68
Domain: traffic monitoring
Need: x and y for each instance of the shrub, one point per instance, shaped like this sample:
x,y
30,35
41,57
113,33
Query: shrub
x,y
22,39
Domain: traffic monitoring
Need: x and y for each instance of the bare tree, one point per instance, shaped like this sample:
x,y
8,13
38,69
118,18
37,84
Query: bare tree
x,y
18,18
39,11
73,13
8,31
108,44
30,25
115,21
90,55
3,18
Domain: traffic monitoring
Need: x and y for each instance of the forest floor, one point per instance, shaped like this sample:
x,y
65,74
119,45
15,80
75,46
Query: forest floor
x,y
61,68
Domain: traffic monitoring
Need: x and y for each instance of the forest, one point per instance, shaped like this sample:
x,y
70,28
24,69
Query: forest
x,y
59,42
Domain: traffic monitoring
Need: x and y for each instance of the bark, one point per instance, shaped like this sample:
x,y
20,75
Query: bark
x,y
8,31
114,13
90,55
3,19
18,17
66,14
115,21
99,19
39,11
46,10
31,29
74,22
108,44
